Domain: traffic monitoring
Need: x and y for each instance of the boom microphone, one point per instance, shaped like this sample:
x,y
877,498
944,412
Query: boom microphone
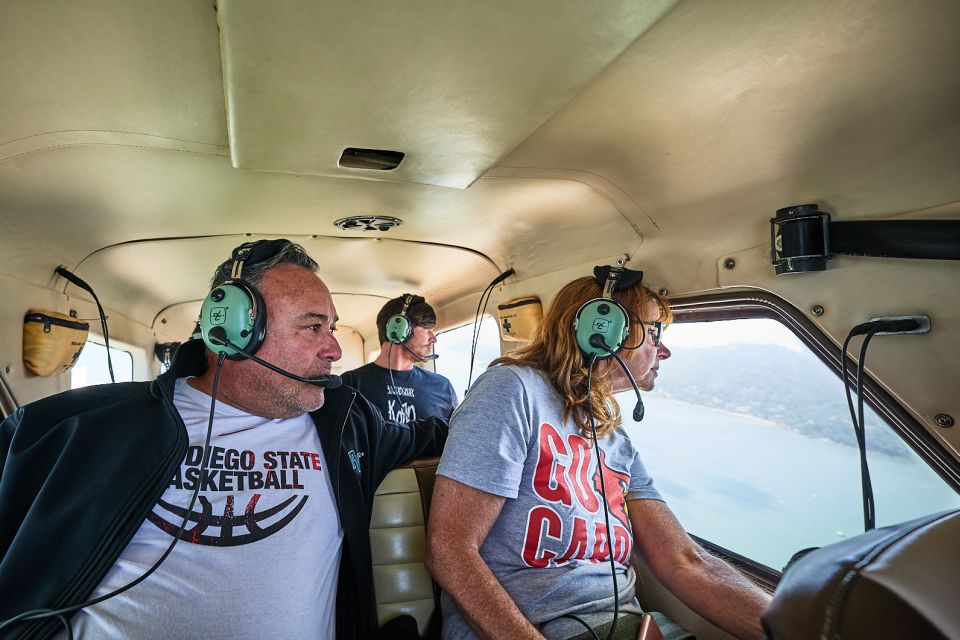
x,y
596,340
218,335
432,356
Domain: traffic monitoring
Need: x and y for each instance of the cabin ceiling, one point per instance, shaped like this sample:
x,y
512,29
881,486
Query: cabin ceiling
x,y
454,85
538,135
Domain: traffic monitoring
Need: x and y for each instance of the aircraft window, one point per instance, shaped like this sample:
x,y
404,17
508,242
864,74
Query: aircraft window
x,y
8,401
748,437
91,367
453,347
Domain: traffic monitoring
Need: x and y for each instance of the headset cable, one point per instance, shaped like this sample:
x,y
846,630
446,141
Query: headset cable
x,y
40,614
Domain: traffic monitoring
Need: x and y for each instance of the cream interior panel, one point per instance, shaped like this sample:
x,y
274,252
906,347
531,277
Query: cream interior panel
x,y
351,343
531,224
20,297
736,110
110,72
454,85
121,272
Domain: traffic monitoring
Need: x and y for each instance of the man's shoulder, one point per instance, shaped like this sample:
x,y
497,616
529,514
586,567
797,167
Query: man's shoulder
x,y
97,410
345,403
88,398
364,371
430,376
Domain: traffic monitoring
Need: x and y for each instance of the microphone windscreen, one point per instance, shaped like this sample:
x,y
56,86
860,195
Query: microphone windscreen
x,y
332,382
638,411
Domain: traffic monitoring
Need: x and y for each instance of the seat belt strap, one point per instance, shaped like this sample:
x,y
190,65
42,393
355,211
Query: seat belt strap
x,y
803,238
923,239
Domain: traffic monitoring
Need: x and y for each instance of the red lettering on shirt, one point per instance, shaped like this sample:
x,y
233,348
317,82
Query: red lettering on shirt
x,y
601,549
549,480
563,465
577,550
622,544
533,553
582,457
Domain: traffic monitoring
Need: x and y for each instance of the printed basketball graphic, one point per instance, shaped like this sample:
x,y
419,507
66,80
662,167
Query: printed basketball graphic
x,y
228,530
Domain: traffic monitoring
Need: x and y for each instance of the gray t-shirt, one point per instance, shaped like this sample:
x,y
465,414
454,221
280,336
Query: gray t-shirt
x,y
548,547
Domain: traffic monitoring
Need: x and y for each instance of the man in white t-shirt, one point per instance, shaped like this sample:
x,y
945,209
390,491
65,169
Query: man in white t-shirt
x,y
276,544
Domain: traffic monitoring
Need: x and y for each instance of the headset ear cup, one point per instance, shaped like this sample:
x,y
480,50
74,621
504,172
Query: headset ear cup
x,y
398,329
259,331
606,318
238,308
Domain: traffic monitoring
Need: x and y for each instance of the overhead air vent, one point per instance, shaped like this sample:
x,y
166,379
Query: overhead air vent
x,y
373,159
369,223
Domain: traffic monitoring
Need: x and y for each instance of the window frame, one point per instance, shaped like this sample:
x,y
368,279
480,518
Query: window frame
x,y
117,345
758,304
746,305
8,401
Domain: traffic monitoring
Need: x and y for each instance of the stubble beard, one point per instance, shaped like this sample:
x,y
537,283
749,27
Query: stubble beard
x,y
297,398
283,398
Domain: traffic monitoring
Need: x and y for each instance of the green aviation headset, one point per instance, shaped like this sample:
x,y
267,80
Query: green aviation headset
x,y
399,327
604,317
236,306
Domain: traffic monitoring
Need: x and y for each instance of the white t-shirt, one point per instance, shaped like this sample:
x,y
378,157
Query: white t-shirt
x,y
261,554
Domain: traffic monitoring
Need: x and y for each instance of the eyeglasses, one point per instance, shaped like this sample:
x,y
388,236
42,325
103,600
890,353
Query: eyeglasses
x,y
655,331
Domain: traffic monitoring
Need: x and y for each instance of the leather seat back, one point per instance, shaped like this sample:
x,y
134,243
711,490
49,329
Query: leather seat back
x,y
892,583
398,540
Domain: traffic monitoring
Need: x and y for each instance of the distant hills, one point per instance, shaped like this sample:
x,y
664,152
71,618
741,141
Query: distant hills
x,y
791,388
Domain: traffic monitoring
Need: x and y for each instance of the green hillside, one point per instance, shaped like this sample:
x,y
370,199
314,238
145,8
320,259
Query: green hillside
x,y
774,383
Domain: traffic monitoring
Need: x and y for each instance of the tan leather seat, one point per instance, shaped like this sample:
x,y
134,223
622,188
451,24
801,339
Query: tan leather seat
x,y
888,584
398,538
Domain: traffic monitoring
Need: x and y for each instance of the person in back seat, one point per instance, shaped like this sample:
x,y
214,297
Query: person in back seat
x,y
97,483
392,383
518,534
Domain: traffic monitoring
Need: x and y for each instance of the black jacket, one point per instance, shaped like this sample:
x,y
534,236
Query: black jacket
x,y
82,469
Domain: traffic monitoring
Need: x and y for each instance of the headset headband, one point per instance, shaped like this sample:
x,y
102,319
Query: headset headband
x,y
613,276
407,300
239,257
611,282
255,253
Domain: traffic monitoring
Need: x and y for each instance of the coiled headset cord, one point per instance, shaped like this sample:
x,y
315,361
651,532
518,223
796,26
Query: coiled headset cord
x,y
40,614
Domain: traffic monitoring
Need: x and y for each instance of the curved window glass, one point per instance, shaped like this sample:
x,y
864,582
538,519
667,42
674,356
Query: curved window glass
x,y
91,367
748,437
453,349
